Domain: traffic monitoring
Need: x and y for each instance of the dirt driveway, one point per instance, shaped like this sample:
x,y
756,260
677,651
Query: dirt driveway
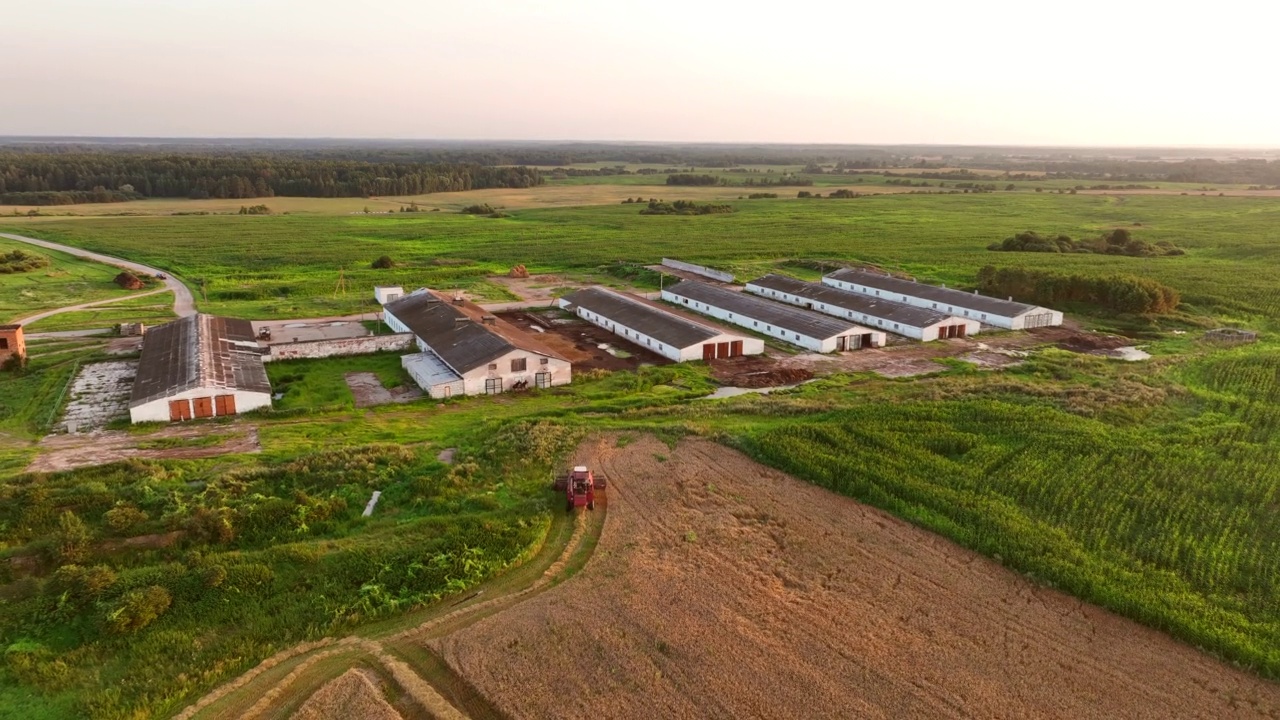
x,y
186,442
721,588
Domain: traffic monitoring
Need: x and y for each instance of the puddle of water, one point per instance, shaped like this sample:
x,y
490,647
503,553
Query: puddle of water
x,y
1129,354
296,325
623,354
730,391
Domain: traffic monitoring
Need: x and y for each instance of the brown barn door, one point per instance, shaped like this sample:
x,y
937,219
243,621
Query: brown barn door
x,y
179,410
735,348
867,341
203,406
960,331
709,351
722,350
225,404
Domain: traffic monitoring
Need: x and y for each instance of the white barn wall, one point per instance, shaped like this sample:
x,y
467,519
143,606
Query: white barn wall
x,y
158,410
1003,321
822,345
750,345
924,334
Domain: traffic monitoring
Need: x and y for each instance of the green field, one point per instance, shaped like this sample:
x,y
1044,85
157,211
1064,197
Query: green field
x,y
67,280
262,267
150,309
1148,488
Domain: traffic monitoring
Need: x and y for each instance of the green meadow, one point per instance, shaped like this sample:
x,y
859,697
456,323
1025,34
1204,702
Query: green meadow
x,y
1148,488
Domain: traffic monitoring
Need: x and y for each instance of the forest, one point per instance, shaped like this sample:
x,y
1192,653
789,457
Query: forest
x,y
64,178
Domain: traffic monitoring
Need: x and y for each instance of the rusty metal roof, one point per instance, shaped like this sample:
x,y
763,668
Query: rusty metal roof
x,y
199,351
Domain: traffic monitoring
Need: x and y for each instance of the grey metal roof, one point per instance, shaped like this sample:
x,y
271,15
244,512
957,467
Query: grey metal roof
x,y
871,305
199,351
788,317
461,342
663,326
430,366
950,296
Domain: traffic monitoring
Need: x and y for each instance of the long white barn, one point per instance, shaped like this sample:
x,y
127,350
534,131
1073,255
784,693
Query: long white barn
x,y
922,324
989,311
806,329
649,326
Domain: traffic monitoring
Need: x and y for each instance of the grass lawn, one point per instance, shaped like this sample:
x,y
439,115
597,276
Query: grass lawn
x,y
67,280
151,309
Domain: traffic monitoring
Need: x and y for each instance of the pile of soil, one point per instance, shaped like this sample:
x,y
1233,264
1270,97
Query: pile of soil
x,y
722,588
1092,342
128,281
352,695
770,378
519,271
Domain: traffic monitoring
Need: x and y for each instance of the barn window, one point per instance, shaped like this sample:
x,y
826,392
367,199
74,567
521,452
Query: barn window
x,y
4,343
519,364
966,313
493,366
755,324
544,361
984,316
686,301
895,326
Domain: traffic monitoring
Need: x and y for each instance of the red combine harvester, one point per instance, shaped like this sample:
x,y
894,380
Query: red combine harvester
x,y
579,486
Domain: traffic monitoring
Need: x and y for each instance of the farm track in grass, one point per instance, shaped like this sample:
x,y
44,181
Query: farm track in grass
x,y
397,648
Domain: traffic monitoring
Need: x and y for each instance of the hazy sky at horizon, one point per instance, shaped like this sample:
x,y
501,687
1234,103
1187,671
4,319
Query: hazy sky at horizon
x,y
1079,73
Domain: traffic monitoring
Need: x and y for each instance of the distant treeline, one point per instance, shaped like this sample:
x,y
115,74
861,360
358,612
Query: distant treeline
x,y
1116,242
696,180
71,177
1121,293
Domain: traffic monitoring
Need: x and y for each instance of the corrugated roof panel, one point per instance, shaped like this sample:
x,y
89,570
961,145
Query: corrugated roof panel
x,y
787,317
933,293
663,326
857,302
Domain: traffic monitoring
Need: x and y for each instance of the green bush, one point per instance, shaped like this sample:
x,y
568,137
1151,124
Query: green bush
x,y
138,609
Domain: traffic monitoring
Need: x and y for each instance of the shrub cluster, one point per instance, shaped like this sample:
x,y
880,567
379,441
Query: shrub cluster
x,y
19,261
1117,242
1121,293
684,207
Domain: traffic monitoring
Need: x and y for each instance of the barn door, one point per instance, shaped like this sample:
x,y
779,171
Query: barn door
x,y
225,404
493,386
867,341
842,343
722,350
960,331
709,351
542,380
179,410
735,348
204,407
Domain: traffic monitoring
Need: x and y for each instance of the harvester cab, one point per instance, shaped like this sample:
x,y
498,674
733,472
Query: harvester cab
x,y
579,486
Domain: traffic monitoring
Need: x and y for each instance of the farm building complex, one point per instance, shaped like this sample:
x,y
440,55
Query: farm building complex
x,y
199,367
879,312
989,311
807,329
465,351
653,327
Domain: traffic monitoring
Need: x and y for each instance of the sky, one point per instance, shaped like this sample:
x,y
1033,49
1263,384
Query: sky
x,y
1083,72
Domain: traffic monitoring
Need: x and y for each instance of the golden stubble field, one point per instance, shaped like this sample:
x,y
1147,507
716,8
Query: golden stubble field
x,y
721,588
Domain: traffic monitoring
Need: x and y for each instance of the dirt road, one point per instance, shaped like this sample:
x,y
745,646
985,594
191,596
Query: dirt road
x,y
184,303
31,319
721,588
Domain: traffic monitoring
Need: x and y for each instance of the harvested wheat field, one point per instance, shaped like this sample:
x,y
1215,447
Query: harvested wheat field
x,y
351,695
721,588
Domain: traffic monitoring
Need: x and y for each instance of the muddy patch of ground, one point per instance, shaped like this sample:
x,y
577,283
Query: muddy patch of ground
x,y
351,695
368,390
587,346
99,394
65,452
757,371
534,287
722,588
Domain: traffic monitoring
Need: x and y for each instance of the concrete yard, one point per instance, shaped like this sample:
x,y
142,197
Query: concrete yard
x,y
286,331
99,394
